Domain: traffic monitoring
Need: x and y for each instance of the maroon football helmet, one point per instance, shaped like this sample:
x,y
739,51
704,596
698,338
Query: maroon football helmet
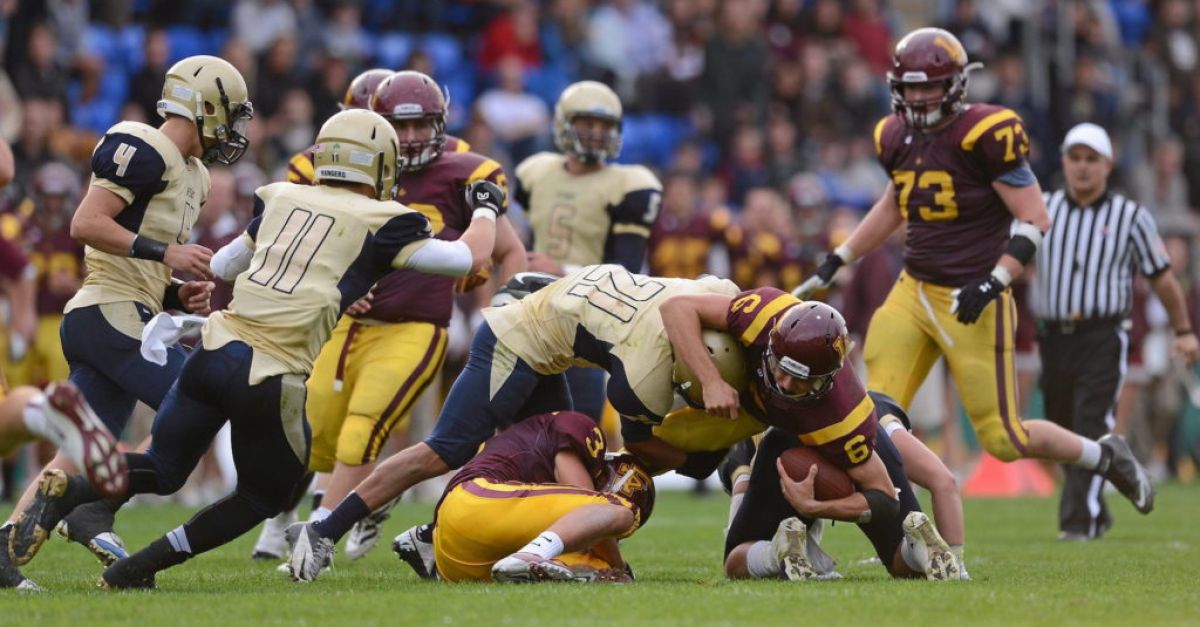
x,y
358,94
628,478
411,95
55,192
808,343
929,55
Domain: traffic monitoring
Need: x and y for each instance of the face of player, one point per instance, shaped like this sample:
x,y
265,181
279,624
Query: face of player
x,y
413,131
794,387
1086,171
924,97
592,132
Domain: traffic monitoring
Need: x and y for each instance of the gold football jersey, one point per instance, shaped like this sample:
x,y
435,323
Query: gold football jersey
x,y
163,191
572,216
316,251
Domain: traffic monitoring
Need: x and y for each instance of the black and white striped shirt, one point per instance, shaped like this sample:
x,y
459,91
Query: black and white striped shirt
x,y
1085,263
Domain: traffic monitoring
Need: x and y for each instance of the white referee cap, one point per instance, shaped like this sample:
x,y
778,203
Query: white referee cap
x,y
1090,135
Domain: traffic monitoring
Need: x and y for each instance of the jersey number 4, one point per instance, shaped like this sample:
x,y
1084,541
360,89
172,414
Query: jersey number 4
x,y
287,258
615,292
947,206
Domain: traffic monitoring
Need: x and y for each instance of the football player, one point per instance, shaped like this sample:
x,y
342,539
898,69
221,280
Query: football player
x,y
960,179
537,491
796,351
146,190
377,364
584,210
310,253
598,316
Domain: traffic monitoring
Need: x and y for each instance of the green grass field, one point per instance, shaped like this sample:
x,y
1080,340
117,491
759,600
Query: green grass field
x,y
1144,573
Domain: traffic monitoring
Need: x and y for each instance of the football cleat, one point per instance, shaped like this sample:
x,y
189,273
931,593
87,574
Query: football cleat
x,y
311,552
939,563
91,525
79,434
271,544
10,575
125,575
530,568
33,526
364,535
409,547
790,546
1126,473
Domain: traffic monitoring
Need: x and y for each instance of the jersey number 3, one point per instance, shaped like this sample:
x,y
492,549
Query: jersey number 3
x,y
287,258
947,206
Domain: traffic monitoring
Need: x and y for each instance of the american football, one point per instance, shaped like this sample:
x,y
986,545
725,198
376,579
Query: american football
x,y
831,482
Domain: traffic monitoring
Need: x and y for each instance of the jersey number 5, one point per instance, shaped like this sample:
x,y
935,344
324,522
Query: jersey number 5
x,y
287,258
947,206
615,292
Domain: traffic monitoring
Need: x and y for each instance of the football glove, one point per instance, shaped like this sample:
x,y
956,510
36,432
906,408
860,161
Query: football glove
x,y
970,300
822,279
484,194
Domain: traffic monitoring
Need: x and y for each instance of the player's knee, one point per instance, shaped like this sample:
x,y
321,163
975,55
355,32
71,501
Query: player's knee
x,y
999,444
882,506
943,482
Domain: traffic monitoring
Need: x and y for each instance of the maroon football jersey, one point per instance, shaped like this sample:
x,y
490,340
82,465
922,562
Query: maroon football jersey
x,y
301,171
679,247
957,224
51,253
12,261
524,453
841,424
438,191
761,258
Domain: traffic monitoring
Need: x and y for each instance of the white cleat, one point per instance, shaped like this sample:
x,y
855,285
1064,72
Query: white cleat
x,y
77,431
272,545
530,568
790,546
938,561
409,547
311,553
364,535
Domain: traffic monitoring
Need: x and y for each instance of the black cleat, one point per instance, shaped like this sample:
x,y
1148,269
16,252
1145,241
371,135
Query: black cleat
x,y
10,575
91,525
125,574
33,526
1126,473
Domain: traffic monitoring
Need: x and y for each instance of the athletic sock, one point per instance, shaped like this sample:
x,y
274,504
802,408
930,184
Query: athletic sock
x,y
34,415
762,562
546,546
1092,455
351,510
319,514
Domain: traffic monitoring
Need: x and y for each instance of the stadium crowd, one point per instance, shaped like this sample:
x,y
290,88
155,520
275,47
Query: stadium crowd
x,y
756,114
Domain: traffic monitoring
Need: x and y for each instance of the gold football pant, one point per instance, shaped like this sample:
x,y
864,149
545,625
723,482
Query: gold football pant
x,y
44,362
480,522
363,384
914,327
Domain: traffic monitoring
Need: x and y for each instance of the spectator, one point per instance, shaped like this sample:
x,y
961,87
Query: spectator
x,y
628,38
260,23
41,76
344,36
1160,184
291,129
512,33
747,167
870,34
735,85
974,34
277,73
327,87
217,225
145,87
518,118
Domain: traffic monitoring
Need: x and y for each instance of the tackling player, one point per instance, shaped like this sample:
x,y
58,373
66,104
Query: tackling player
x,y
537,491
310,253
584,210
960,180
146,191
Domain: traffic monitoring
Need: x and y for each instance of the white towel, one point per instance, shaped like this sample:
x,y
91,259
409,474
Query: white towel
x,y
163,331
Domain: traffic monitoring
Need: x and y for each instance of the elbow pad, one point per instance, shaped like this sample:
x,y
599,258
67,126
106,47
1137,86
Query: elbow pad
x,y
1024,243
232,260
881,507
435,256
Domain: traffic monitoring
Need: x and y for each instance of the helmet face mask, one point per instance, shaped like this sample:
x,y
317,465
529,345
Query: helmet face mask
x,y
211,93
231,141
407,96
804,352
580,107
923,57
628,478
808,386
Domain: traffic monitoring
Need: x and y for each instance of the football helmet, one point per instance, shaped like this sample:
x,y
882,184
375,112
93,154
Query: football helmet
x,y
411,95
726,353
55,192
358,94
628,478
929,55
590,99
808,343
357,146
212,93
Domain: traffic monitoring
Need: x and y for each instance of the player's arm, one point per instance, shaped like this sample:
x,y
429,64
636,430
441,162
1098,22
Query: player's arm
x,y
632,219
875,498
880,222
1027,204
569,470
8,164
509,252
20,286
471,252
684,316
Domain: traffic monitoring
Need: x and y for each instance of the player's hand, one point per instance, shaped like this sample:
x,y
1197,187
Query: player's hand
x,y
721,399
195,296
190,258
970,300
1187,347
362,305
822,279
538,262
484,194
799,494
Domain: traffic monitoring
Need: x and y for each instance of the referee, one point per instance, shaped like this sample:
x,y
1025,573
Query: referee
x,y
1082,302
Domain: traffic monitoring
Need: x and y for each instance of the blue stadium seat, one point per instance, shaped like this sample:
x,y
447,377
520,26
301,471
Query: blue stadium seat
x,y
393,49
187,41
652,139
132,40
445,51
101,41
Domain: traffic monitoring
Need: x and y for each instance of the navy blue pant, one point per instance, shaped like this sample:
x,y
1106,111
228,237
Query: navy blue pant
x,y
108,368
471,414
587,391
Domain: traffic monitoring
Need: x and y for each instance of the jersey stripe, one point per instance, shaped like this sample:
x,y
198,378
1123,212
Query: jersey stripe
x,y
633,229
776,305
879,136
300,170
983,125
842,427
483,170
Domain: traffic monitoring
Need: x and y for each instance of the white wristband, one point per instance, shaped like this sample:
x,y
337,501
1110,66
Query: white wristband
x,y
484,213
843,251
1002,275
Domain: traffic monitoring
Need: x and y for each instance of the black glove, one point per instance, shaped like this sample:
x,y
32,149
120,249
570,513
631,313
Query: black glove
x,y
484,194
974,297
822,279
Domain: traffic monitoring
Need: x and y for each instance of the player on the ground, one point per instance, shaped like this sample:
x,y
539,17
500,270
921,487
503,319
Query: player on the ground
x,y
584,210
536,505
146,191
321,249
598,316
960,180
